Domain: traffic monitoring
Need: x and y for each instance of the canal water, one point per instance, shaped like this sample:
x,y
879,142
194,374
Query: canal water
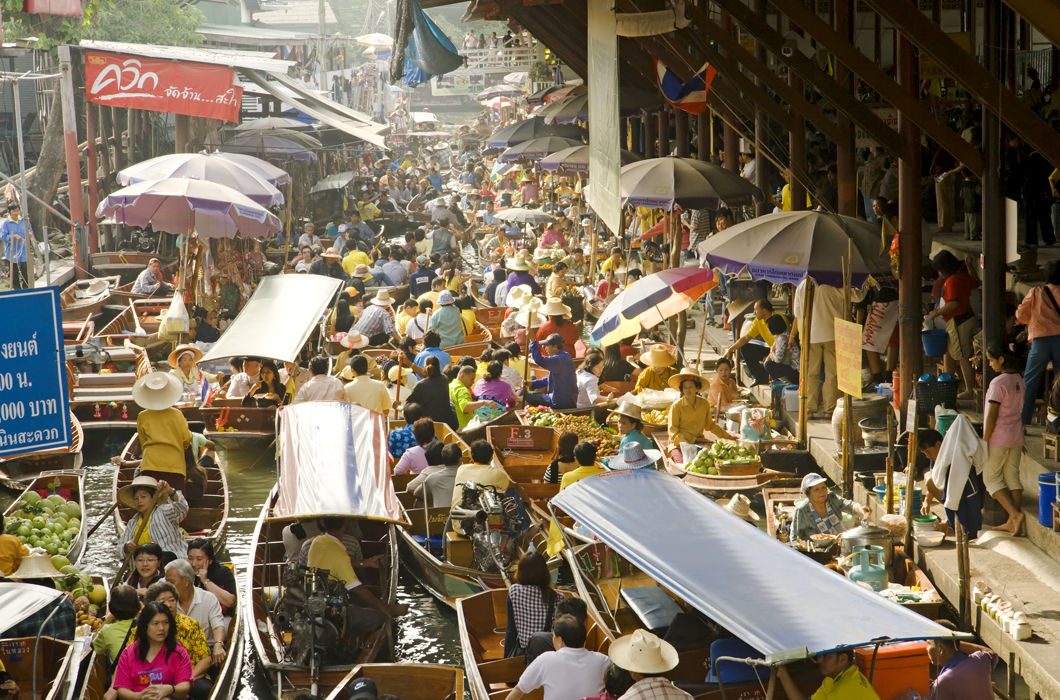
x,y
427,634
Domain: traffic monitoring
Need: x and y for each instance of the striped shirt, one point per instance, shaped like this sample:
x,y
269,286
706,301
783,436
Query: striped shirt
x,y
163,528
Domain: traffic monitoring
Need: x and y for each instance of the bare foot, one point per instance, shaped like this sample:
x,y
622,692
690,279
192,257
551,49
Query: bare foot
x,y
1018,525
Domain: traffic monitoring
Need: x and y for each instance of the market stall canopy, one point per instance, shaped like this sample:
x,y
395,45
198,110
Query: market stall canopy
x,y
522,215
663,183
337,181
769,595
204,166
786,246
274,143
537,148
532,128
271,173
278,319
333,461
19,601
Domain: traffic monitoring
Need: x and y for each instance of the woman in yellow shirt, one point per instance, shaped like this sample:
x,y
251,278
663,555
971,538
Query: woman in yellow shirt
x,y
659,367
556,281
690,416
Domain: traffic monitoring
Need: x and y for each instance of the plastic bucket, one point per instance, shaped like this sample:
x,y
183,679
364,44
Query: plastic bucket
x,y
1046,497
791,398
934,342
944,421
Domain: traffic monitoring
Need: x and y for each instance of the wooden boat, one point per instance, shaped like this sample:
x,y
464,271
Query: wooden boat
x,y
102,399
207,517
524,453
406,681
308,487
477,431
482,619
29,464
780,503
71,486
138,323
76,303
234,426
78,332
127,264
491,317
473,349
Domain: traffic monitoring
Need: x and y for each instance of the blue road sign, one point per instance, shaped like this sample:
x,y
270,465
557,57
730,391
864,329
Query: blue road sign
x,y
34,403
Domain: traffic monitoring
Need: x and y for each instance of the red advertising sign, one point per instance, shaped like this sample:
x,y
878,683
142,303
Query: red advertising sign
x,y
176,87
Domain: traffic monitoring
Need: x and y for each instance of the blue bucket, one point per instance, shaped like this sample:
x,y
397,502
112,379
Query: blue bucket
x,y
935,341
1046,497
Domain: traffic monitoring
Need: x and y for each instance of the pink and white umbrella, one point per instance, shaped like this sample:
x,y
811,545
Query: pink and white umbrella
x,y
498,103
181,205
209,167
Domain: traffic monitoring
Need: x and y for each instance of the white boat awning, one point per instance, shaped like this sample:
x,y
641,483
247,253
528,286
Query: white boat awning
x,y
18,601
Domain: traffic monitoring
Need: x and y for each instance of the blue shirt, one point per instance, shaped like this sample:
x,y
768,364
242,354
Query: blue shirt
x,y
15,251
443,357
636,436
561,386
523,277
420,281
400,440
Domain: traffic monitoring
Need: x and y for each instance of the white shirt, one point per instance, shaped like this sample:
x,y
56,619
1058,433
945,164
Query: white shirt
x,y
827,307
205,610
588,388
241,385
416,327
748,172
512,376
566,674
321,387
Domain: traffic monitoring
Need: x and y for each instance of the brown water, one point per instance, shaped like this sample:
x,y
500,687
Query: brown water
x,y
428,634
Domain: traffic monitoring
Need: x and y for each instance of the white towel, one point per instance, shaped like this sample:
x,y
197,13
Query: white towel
x,y
962,450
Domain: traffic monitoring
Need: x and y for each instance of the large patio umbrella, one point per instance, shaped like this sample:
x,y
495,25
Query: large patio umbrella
x,y
575,159
650,301
334,182
204,166
271,123
517,78
497,103
269,172
374,39
535,149
501,90
566,91
274,143
536,98
787,246
663,183
531,128
575,108
182,205
523,215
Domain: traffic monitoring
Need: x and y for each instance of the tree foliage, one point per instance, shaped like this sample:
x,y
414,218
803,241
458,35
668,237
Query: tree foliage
x,y
162,22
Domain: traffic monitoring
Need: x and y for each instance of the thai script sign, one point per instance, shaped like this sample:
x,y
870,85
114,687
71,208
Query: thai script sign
x,y
34,403
848,357
178,87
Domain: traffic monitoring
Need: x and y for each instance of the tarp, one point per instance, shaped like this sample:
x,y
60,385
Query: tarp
x,y
429,51
604,162
19,601
278,319
333,461
769,595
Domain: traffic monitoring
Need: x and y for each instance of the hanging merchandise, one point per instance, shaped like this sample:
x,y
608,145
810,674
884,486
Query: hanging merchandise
x,y
652,23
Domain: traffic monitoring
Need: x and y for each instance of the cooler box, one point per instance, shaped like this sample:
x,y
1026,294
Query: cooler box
x,y
899,667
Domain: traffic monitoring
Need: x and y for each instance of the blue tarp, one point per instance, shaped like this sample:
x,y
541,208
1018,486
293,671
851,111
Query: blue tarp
x,y
764,592
429,51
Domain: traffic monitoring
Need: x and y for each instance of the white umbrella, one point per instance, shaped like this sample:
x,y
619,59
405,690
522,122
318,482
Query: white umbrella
x,y
208,167
374,39
522,215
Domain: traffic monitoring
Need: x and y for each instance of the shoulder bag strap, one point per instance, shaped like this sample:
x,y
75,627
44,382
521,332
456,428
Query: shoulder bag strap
x,y
1052,299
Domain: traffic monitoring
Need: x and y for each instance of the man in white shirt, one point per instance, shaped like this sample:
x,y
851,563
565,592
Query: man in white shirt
x,y
309,237
365,391
321,386
199,605
572,671
242,382
819,343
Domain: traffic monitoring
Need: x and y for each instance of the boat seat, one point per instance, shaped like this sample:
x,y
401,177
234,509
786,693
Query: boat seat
x,y
653,607
732,672
436,544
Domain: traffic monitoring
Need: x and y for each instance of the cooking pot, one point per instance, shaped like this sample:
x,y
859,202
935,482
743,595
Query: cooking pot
x,y
868,535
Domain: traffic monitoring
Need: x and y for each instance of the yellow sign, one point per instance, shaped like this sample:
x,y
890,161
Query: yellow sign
x,y
848,357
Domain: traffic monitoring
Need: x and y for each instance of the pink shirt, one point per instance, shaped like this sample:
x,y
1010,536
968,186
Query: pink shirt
x,y
1006,390
552,236
498,390
413,461
1037,312
169,669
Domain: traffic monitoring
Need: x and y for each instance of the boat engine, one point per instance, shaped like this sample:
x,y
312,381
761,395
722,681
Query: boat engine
x,y
314,611
490,521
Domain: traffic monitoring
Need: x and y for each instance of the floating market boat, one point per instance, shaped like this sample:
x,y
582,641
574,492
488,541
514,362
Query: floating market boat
x,y
78,332
70,485
406,681
137,323
524,453
332,463
127,264
29,464
234,426
83,299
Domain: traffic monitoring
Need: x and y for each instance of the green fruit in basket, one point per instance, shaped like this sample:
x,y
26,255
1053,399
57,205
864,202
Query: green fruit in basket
x,y
712,470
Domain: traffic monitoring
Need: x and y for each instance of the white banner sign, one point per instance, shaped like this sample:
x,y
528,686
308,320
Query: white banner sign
x,y
604,164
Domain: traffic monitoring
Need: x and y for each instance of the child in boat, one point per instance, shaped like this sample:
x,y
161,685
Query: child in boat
x,y
724,391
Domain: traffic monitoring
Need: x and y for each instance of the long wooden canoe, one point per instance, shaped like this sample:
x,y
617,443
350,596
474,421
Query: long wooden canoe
x,y
138,323
71,486
78,332
406,681
234,426
125,263
78,305
29,464
524,453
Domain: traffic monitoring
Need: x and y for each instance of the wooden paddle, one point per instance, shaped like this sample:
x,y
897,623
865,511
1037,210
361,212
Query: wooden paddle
x,y
100,521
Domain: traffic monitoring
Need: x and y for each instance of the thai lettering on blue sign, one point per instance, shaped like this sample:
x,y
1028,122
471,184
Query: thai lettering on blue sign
x,y
34,403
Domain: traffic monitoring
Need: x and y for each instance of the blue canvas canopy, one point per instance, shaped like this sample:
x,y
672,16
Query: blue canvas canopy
x,y
766,593
429,51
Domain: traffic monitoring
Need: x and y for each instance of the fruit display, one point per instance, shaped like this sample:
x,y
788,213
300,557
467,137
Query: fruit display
x,y
721,452
87,613
50,523
657,417
587,429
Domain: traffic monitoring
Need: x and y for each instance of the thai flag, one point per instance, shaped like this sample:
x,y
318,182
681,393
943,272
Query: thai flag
x,y
690,96
207,393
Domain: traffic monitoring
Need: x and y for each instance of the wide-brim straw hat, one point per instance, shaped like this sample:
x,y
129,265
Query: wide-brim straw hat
x,y
361,271
628,409
196,354
353,341
346,374
125,493
383,298
157,391
740,506
96,287
555,307
643,652
634,456
392,373
36,566
330,253
658,356
517,263
517,297
686,373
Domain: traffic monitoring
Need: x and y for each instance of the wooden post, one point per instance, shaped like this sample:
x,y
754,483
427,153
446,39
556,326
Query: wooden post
x,y
180,132
702,136
846,171
797,155
910,474
115,125
848,403
91,168
889,464
964,592
804,360
681,132
73,160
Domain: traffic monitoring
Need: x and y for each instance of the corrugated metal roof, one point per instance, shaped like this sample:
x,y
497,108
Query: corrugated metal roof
x,y
255,60
253,36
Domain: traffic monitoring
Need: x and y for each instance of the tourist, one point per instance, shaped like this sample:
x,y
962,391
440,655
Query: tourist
x,y
304,260
958,472
431,341
162,509
268,390
321,386
351,265
616,369
631,426
184,366
294,377
421,278
155,661
634,456
432,392
414,459
531,604
782,363
460,394
819,342
377,320
431,295
199,606
211,575
558,322
402,439
481,472
417,327
493,387
243,380
394,268
564,461
689,418
189,635
1040,312
147,566
206,332
446,321
648,659
343,318
150,281
659,367
13,234
124,606
365,391
435,486
723,391
961,322
822,512
842,679
754,345
588,378
496,290
443,241
965,669
467,314
561,386
571,671
1003,433
409,311
309,237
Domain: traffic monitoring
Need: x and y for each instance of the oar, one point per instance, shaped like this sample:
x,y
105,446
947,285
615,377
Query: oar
x,y
102,518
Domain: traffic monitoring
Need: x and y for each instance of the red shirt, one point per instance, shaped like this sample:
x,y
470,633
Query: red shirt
x,y
958,287
567,330
605,290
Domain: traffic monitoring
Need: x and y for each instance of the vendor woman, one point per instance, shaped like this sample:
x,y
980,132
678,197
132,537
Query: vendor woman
x,y
658,368
631,426
822,512
184,361
690,416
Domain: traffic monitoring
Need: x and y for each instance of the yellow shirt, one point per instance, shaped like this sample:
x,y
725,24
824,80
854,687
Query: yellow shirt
x,y
610,264
353,259
785,198
455,284
11,552
519,365
848,685
687,420
369,211
145,534
431,295
650,379
555,537
402,321
554,286
164,435
328,552
467,316
486,474
759,329
370,393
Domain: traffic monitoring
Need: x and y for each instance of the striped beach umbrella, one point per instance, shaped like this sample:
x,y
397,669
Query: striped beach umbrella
x,y
650,301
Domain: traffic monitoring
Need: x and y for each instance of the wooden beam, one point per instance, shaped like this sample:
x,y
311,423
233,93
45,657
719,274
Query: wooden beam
x,y
554,34
990,91
772,39
889,90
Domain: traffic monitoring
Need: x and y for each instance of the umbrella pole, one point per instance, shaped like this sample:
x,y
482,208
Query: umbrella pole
x,y
702,335
804,360
287,246
397,394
